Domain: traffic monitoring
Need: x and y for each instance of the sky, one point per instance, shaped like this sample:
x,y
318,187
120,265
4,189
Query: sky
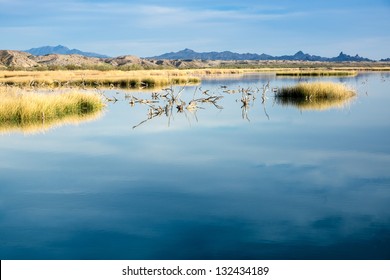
x,y
150,27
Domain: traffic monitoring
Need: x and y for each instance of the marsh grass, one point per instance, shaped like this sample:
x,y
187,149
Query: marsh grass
x,y
316,73
29,111
315,96
95,78
319,90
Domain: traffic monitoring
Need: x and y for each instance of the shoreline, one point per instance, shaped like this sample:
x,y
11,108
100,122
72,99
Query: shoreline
x,y
140,79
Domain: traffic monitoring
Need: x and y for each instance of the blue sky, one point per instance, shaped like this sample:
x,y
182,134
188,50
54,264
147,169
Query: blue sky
x,y
151,27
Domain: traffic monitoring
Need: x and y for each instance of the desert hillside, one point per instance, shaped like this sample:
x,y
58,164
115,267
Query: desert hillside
x,y
16,59
10,59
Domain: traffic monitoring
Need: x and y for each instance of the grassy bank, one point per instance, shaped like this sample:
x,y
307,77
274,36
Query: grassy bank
x,y
314,73
26,111
315,96
95,78
152,78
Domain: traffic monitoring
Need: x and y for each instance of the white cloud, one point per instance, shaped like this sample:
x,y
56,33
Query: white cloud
x,y
161,15
149,29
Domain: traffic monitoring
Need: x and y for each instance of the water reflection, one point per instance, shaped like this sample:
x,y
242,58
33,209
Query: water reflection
x,y
315,104
170,102
296,186
44,125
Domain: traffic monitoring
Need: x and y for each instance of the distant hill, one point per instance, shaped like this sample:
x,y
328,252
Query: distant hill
x,y
10,58
227,55
62,50
344,57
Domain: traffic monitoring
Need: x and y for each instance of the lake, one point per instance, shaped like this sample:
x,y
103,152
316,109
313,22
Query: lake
x,y
263,181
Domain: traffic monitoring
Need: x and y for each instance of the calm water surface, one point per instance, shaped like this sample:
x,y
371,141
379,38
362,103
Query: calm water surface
x,y
269,182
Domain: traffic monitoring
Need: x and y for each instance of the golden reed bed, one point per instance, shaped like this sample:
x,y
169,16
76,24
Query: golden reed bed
x,y
315,96
33,112
95,78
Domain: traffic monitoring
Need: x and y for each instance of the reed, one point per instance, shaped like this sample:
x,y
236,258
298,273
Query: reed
x,y
318,90
315,96
95,78
315,73
21,110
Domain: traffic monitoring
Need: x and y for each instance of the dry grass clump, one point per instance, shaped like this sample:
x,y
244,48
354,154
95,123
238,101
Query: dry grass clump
x,y
318,90
315,96
27,111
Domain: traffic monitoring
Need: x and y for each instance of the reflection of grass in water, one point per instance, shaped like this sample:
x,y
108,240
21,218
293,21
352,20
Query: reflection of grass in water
x,y
33,112
314,104
45,125
315,96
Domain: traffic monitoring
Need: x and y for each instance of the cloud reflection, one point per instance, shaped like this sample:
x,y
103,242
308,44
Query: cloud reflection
x,y
297,186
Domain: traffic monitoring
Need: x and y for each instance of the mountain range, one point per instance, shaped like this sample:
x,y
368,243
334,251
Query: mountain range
x,y
188,54
56,57
62,50
227,55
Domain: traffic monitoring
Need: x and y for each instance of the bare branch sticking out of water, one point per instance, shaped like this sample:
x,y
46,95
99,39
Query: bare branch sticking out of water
x,y
171,100
109,99
211,99
174,100
164,102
